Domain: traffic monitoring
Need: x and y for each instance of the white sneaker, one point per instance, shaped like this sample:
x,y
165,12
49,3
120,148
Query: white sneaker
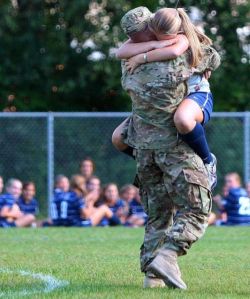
x,y
211,169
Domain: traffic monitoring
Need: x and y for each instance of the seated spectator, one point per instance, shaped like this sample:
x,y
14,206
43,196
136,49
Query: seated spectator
x,y
27,202
71,208
1,185
10,213
94,190
116,205
136,216
236,203
94,183
61,183
248,188
218,216
87,168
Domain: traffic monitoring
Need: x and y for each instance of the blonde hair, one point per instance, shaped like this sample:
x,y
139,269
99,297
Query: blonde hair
x,y
174,21
78,184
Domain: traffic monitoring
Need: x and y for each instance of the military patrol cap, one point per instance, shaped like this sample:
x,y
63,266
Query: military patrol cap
x,y
135,20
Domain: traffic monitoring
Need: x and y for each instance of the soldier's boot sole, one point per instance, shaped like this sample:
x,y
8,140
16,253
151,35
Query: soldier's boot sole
x,y
150,282
167,268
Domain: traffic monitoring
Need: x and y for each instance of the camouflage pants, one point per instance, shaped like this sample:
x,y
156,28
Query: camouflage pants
x,y
175,195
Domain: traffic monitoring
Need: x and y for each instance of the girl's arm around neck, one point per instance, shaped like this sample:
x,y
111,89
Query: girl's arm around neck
x,y
167,53
170,52
130,49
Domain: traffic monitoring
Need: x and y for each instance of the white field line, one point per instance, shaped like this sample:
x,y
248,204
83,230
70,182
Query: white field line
x,y
51,283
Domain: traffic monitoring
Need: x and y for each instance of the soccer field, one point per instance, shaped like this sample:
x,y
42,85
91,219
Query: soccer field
x,y
104,263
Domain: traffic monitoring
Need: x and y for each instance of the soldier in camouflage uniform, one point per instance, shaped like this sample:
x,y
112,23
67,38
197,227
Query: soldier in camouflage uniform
x,y
173,178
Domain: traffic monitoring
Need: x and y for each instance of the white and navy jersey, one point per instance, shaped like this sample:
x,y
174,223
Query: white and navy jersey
x,y
237,207
28,207
120,204
6,200
135,208
66,209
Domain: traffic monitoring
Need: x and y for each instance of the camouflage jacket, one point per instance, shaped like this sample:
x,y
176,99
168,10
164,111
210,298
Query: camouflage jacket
x,y
156,89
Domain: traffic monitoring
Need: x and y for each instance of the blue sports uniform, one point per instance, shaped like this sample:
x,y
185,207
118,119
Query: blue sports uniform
x,y
66,209
28,208
237,207
6,200
135,208
114,220
118,205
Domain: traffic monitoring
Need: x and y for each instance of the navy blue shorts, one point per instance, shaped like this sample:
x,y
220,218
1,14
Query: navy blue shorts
x,y
205,101
6,224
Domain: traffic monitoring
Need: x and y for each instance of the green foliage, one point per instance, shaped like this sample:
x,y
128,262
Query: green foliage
x,y
104,263
40,71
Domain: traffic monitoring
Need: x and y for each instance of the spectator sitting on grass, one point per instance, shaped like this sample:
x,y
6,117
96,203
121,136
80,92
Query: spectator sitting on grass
x,y
236,203
10,214
136,215
27,202
61,183
94,190
248,188
117,206
218,214
1,185
87,168
71,208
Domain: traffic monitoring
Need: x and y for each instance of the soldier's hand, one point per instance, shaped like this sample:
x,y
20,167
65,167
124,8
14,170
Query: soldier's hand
x,y
134,62
207,74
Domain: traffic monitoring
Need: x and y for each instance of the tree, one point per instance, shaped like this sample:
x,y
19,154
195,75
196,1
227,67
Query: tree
x,y
55,54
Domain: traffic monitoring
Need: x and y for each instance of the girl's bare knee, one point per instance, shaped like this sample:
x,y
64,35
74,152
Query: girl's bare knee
x,y
184,124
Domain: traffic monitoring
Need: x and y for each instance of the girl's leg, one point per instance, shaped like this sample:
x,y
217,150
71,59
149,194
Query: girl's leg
x,y
117,140
188,119
25,220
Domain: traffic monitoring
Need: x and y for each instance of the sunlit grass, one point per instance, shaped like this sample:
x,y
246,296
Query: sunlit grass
x,y
104,263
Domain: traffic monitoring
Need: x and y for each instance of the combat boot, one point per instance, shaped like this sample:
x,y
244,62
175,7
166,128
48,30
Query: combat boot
x,y
165,266
151,281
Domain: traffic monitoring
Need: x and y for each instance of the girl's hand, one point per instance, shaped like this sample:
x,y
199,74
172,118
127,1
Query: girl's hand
x,y
165,43
134,62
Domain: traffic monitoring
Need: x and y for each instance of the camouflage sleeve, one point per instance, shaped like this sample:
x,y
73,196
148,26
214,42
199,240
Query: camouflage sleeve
x,y
210,60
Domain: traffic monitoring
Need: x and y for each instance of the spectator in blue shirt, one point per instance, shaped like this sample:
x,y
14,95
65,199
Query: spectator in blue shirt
x,y
61,183
27,202
116,205
71,209
10,213
236,203
94,190
136,216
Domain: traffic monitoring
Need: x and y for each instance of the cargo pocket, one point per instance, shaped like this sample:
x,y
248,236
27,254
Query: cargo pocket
x,y
199,195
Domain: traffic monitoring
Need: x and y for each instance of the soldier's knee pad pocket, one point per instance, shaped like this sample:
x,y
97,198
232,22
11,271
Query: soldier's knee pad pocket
x,y
199,194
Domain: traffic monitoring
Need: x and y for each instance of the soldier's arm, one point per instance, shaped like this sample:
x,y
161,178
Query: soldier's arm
x,y
130,49
210,60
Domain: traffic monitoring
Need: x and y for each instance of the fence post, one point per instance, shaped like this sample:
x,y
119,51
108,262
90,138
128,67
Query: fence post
x,y
247,147
50,161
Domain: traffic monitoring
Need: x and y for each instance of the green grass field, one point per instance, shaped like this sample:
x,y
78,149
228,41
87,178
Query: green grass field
x,y
104,263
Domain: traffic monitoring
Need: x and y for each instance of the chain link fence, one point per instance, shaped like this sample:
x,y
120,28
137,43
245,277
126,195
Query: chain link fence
x,y
38,146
